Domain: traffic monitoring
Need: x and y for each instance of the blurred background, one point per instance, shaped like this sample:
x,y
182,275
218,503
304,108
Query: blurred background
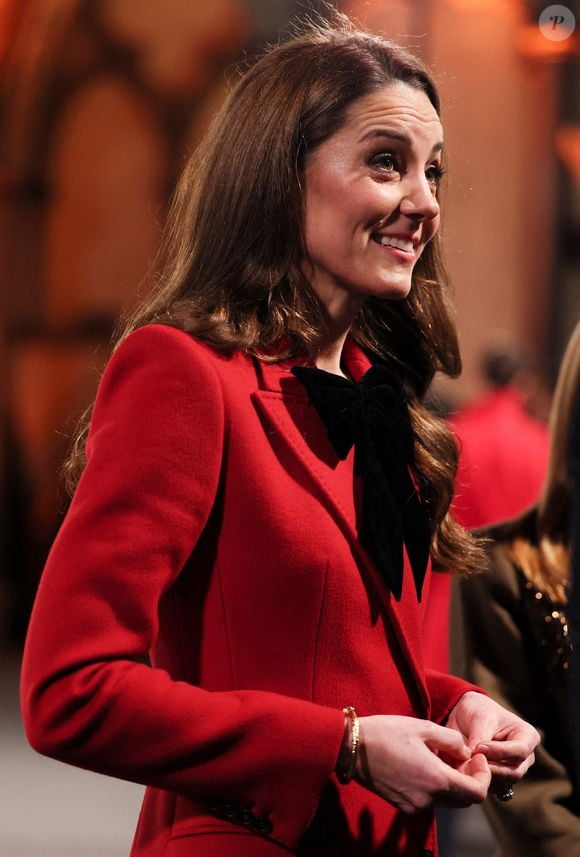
x,y
101,101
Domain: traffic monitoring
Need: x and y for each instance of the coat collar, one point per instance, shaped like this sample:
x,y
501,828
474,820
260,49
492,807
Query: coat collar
x,y
278,378
284,406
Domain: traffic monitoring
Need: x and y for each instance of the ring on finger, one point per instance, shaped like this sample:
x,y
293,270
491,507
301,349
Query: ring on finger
x,y
506,795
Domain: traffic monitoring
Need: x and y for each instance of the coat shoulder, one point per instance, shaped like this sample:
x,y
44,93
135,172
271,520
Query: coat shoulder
x,y
166,355
161,339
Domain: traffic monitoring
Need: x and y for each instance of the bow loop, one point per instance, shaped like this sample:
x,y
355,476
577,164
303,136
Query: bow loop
x,y
373,416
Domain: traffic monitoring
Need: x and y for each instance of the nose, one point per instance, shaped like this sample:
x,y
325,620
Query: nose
x,y
418,201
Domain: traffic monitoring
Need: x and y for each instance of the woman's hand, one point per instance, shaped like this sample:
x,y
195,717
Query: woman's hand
x,y
507,741
414,763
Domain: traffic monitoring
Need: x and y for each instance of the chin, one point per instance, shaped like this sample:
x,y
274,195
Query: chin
x,y
393,291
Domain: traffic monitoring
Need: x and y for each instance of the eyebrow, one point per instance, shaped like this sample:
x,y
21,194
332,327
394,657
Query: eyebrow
x,y
401,136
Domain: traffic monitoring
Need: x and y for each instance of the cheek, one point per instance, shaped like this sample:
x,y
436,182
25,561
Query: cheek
x,y
326,220
376,201
430,229
432,226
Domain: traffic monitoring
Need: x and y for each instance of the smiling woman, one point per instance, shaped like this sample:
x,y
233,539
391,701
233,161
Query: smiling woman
x,y
261,492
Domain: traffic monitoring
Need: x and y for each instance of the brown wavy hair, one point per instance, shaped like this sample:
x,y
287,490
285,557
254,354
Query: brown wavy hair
x,y
538,542
230,269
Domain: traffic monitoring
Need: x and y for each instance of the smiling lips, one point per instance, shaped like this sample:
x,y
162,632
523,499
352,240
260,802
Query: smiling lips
x,y
391,241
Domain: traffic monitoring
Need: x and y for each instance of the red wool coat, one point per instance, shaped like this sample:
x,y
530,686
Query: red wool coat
x,y
214,528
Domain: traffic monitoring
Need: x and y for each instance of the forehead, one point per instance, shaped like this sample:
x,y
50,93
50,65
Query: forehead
x,y
396,107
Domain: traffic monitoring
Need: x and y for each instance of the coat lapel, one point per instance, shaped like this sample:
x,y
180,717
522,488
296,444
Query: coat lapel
x,y
285,408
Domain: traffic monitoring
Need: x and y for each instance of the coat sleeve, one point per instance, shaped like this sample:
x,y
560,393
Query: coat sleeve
x,y
154,458
487,646
445,691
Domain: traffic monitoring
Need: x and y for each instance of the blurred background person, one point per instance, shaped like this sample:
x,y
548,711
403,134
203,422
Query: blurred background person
x,y
510,634
503,456
503,446
574,611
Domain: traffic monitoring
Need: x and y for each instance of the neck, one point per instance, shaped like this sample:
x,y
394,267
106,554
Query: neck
x,y
341,310
329,353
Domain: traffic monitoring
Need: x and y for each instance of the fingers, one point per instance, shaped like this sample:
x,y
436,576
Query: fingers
x,y
415,763
513,751
478,768
508,775
469,783
451,787
448,743
484,723
467,776
504,751
508,760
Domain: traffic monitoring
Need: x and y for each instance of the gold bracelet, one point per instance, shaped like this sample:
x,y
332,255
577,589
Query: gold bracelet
x,y
346,776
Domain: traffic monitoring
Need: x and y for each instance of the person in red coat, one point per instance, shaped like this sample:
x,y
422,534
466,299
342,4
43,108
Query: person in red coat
x,y
262,491
503,448
503,460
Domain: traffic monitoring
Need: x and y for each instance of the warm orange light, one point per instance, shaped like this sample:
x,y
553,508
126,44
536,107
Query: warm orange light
x,y
568,148
531,44
473,5
10,12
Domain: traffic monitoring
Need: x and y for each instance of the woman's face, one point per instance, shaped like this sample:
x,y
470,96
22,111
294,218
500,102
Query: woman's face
x,y
370,202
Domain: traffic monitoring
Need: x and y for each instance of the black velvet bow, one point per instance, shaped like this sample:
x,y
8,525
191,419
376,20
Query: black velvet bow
x,y
373,415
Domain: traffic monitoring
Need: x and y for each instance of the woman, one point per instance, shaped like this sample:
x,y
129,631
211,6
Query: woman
x,y
511,636
221,525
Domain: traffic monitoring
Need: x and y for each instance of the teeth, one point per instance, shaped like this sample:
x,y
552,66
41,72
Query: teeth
x,y
400,243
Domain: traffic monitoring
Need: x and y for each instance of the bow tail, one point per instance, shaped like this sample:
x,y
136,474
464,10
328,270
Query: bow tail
x,y
381,530
417,536
413,523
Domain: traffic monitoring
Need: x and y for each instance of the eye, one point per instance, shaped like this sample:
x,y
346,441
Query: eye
x,y
434,174
386,162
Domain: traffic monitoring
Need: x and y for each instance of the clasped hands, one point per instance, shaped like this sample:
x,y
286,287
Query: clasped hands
x,y
415,763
